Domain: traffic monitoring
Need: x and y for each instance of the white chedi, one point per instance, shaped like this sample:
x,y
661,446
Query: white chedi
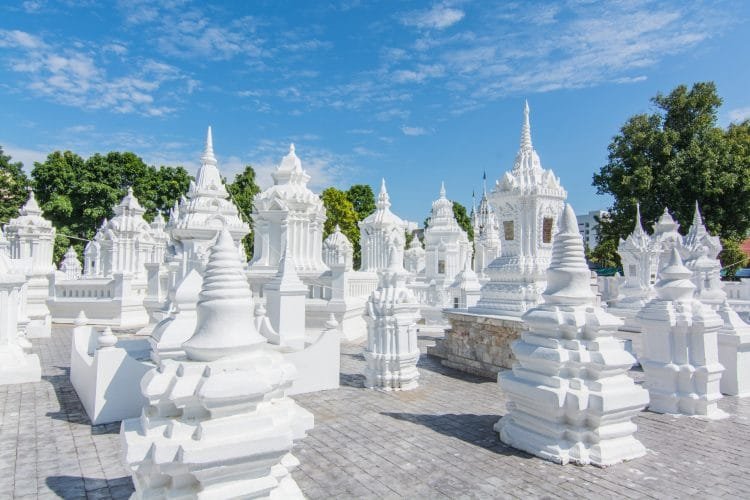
x,y
218,423
700,251
288,215
391,314
486,233
379,232
570,397
680,348
338,250
414,256
527,202
446,245
70,266
639,265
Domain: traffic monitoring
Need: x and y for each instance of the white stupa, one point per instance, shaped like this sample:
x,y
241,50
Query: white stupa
x,y
680,347
218,423
391,313
70,266
338,250
486,233
414,256
288,215
446,245
380,231
666,237
527,201
570,397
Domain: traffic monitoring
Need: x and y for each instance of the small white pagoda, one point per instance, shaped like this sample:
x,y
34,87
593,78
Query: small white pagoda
x,y
680,347
666,237
31,239
486,234
527,201
380,231
446,245
288,215
231,427
338,250
414,257
570,397
70,265
392,311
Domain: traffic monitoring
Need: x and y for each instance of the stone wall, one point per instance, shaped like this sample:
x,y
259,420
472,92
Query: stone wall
x,y
478,344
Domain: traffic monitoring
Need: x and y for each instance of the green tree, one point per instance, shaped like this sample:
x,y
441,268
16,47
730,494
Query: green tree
x,y
463,219
339,210
362,199
243,190
13,183
732,257
77,194
676,156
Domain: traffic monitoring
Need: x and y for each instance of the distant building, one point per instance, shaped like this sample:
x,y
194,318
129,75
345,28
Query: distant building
x,y
588,226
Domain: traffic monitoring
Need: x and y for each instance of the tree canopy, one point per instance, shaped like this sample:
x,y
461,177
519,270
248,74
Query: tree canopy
x,y
362,199
243,189
13,184
339,210
77,194
672,158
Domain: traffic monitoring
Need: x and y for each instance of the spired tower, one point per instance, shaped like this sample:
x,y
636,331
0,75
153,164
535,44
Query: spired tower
x,y
486,234
527,201
378,231
446,244
288,215
197,219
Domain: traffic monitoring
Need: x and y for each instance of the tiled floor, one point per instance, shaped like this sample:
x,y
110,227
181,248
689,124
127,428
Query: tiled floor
x,y
433,442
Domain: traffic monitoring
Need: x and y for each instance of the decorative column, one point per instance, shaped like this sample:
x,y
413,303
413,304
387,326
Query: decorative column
x,y
680,347
285,304
570,397
391,314
218,423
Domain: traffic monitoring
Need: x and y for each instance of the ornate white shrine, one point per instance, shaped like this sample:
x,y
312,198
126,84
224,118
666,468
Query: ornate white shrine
x,y
414,257
380,231
17,364
527,201
392,352
288,215
570,398
113,285
680,348
31,239
446,245
70,265
232,427
486,234
338,250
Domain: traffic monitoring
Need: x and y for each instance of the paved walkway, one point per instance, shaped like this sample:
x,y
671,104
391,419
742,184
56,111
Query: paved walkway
x,y
433,442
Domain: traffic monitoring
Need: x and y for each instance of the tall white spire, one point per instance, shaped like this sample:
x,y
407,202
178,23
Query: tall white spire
x,y
638,229
208,153
384,200
442,189
526,128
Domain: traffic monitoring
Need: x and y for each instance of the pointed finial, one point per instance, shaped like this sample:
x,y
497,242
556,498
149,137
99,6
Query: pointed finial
x,y
484,183
384,201
130,190
442,189
697,217
208,153
638,226
382,186
31,207
337,229
291,148
526,128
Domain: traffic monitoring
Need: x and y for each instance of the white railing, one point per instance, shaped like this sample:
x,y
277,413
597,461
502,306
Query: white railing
x,y
361,284
85,289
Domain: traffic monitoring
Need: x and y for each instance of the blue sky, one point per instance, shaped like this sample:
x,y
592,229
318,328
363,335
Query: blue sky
x,y
416,92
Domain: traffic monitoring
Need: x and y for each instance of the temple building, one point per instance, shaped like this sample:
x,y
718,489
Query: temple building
x,y
527,201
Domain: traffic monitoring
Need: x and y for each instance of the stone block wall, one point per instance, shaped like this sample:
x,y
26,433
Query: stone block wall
x,y
477,344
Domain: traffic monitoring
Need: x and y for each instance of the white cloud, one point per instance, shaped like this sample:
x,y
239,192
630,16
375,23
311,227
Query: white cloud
x,y
24,155
420,74
739,114
413,131
439,17
391,114
77,76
